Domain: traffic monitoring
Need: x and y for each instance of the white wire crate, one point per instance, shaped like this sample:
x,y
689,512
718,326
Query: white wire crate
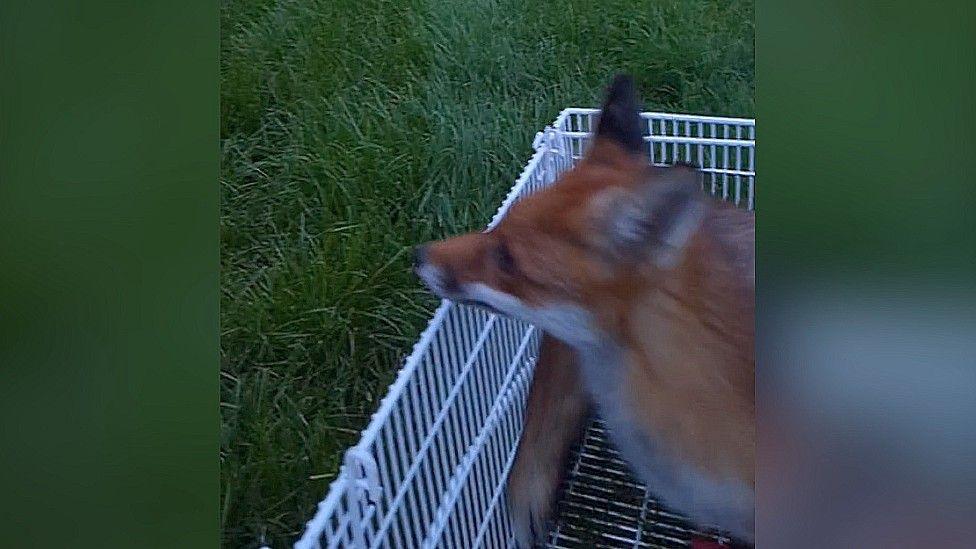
x,y
431,467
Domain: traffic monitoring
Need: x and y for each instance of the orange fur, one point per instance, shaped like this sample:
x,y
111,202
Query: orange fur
x,y
555,412
689,331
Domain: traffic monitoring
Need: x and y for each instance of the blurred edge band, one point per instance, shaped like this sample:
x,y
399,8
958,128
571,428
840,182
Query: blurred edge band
x,y
108,274
867,274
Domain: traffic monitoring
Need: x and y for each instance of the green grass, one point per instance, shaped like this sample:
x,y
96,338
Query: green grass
x,y
352,130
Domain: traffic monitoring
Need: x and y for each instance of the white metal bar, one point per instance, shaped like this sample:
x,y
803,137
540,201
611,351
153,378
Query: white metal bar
x,y
677,140
391,400
714,156
738,167
674,146
687,145
318,523
673,116
492,418
440,418
725,164
719,171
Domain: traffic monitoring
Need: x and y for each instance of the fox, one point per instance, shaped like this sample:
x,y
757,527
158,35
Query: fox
x,y
643,286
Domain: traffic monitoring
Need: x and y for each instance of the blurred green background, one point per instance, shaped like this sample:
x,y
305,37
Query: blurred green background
x,y
108,274
352,131
866,310
868,124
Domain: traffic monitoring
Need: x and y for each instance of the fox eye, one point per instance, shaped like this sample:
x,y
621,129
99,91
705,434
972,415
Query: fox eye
x,y
505,260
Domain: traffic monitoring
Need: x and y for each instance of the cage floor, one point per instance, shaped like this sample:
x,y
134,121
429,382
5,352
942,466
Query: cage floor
x,y
603,506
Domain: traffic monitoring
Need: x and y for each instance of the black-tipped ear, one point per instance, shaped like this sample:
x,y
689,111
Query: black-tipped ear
x,y
620,120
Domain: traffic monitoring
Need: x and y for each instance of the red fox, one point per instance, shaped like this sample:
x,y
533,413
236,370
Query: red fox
x,y
644,288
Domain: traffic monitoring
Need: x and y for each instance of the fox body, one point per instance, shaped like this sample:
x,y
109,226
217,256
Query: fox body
x,y
644,287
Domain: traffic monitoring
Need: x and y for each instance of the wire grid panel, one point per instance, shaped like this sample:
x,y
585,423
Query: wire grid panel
x,y
723,148
431,466
601,505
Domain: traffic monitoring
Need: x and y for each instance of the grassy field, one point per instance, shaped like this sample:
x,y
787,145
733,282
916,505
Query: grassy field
x,y
352,130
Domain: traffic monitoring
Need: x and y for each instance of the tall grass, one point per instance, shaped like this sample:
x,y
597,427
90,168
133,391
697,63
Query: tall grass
x,y
352,130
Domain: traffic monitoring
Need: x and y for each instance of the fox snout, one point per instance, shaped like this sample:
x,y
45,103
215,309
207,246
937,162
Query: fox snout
x,y
438,278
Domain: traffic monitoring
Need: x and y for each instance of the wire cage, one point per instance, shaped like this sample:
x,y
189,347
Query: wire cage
x,y
431,467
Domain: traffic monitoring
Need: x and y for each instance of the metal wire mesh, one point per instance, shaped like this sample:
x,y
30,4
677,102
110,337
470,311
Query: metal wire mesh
x,y
603,506
431,466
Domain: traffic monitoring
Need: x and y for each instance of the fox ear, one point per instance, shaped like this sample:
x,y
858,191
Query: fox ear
x,y
654,220
620,118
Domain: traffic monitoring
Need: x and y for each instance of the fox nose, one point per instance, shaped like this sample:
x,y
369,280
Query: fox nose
x,y
419,255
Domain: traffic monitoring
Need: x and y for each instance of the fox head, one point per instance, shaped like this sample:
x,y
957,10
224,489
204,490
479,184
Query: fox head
x,y
565,258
